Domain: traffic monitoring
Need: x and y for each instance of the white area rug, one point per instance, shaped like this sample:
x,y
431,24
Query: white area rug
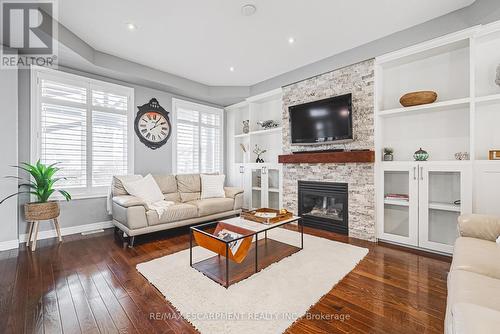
x,y
267,302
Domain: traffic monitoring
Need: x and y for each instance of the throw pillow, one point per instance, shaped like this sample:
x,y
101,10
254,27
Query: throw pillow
x,y
146,189
212,186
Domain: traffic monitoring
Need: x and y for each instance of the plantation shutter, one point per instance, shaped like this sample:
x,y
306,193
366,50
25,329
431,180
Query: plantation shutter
x,y
188,137
63,131
198,139
109,136
83,126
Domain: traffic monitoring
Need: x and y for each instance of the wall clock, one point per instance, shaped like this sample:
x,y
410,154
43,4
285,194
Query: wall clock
x,y
152,124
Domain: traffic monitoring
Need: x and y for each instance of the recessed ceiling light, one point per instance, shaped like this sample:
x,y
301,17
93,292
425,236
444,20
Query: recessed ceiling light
x,y
291,40
231,69
248,10
131,26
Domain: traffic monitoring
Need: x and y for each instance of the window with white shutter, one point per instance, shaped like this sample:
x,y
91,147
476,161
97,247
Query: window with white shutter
x,y
83,125
197,138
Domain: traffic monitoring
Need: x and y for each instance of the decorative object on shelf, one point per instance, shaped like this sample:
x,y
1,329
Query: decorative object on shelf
x,y
418,98
246,126
388,154
497,80
41,185
258,151
269,124
244,150
152,124
494,155
421,155
462,156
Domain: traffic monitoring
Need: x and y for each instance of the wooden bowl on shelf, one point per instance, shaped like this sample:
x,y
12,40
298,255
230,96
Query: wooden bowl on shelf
x,y
418,98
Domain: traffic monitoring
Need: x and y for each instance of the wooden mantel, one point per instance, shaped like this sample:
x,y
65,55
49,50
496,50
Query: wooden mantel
x,y
328,157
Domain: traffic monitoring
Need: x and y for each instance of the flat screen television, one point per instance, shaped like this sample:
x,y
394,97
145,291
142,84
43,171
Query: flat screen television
x,y
321,122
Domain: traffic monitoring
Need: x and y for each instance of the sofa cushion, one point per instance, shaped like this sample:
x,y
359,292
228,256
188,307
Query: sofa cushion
x,y
117,188
478,256
173,197
468,287
188,197
188,183
471,318
173,213
211,206
167,183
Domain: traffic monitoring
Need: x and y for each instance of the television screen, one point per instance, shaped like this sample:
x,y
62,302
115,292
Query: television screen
x,y
323,121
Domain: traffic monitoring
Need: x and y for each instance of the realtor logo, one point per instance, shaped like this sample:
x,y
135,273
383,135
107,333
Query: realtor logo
x,y
28,31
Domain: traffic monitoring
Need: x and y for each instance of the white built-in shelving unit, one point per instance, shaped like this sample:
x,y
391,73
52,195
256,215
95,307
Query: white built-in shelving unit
x,y
461,68
262,182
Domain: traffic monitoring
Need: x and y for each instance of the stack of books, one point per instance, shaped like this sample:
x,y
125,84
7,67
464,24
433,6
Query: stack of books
x,y
398,197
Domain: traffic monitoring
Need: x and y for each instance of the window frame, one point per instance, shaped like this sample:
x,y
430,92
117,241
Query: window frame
x,y
202,108
36,74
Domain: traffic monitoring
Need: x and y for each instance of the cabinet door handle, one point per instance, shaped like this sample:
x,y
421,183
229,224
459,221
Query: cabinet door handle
x,y
414,173
242,169
421,173
264,170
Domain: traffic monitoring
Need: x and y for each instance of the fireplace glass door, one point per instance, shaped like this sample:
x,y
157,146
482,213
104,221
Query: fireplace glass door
x,y
328,207
324,205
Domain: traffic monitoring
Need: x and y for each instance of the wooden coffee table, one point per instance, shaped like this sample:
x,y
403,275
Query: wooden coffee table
x,y
223,267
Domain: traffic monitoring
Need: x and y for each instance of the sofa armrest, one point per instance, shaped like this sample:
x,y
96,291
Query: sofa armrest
x,y
479,226
238,201
128,200
133,217
231,192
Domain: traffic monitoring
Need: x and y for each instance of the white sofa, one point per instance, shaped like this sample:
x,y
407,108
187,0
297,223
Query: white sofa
x,y
473,304
132,217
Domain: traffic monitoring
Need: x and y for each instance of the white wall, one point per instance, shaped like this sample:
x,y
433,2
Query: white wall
x,y
8,155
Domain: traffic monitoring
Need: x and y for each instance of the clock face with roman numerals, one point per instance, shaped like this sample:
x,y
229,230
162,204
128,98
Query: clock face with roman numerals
x,y
152,125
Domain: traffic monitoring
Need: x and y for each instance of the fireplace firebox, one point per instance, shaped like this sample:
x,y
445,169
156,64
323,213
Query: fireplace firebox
x,y
324,205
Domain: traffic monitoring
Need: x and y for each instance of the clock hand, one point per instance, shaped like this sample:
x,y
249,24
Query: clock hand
x,y
156,125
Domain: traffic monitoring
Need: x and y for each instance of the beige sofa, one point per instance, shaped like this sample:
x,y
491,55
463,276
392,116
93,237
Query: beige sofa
x,y
473,304
132,217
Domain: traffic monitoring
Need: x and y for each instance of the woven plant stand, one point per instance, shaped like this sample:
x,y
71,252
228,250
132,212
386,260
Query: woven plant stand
x,y
36,212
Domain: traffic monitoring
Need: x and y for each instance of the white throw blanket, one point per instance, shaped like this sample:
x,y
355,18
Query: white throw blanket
x,y
160,207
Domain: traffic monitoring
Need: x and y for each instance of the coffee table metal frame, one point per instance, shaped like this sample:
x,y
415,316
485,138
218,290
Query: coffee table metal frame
x,y
198,228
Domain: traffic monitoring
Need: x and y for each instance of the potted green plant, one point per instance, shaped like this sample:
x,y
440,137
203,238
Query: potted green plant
x,y
388,154
41,185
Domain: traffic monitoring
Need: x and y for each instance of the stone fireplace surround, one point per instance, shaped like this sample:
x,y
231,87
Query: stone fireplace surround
x,y
357,79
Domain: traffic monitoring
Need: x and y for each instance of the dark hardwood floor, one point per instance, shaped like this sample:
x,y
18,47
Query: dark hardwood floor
x,y
90,285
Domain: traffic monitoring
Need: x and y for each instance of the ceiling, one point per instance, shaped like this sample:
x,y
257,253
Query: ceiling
x,y
201,39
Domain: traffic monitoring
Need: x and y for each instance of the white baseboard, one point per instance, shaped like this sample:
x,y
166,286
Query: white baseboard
x,y
10,244
69,230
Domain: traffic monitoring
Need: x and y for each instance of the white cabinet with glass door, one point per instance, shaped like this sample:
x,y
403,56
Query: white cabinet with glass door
x,y
422,201
264,180
399,215
445,192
